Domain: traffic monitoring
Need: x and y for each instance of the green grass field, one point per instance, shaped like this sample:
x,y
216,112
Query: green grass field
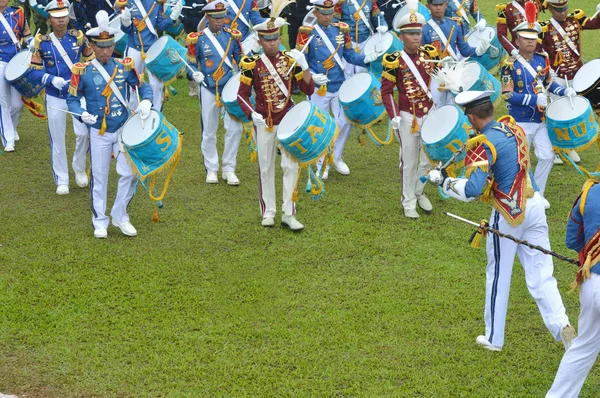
x,y
207,302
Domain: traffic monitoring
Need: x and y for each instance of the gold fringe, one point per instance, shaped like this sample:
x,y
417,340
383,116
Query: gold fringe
x,y
479,234
299,76
246,80
305,29
386,75
79,68
475,141
477,166
392,63
191,39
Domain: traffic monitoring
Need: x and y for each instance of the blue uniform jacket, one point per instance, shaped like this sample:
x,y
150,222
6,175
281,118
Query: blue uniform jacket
x,y
344,12
204,56
580,228
16,18
88,82
469,5
456,41
156,16
317,52
45,54
250,11
518,88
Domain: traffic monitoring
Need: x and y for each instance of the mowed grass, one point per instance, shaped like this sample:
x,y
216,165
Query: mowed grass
x,y
207,302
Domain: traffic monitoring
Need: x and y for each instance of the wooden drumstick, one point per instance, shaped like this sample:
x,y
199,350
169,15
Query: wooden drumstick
x,y
188,66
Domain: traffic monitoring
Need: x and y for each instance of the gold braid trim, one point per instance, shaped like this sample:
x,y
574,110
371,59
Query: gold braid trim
x,y
192,38
245,80
388,76
128,63
305,29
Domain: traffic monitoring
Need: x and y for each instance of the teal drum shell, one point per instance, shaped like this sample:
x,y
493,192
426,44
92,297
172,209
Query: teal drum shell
x,y
305,132
152,146
120,37
571,127
360,97
385,43
230,99
491,59
444,131
484,81
162,60
17,74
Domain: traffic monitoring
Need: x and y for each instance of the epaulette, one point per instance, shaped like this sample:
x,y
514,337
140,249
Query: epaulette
x,y
235,34
192,38
344,27
249,63
474,141
120,4
42,37
341,2
500,7
80,67
128,63
78,35
391,61
578,14
306,29
431,51
457,20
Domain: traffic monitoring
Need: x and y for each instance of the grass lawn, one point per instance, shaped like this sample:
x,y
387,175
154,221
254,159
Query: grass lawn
x,y
207,302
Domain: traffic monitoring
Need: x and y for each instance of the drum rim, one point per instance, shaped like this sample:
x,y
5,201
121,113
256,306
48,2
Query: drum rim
x,y
23,73
593,84
373,79
458,112
133,146
311,106
166,40
554,105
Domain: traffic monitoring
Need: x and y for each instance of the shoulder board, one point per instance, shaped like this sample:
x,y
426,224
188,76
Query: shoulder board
x,y
161,1
192,38
500,7
430,51
80,67
391,61
508,62
305,29
344,27
248,63
341,2
43,37
577,14
128,63
457,20
120,4
235,34
544,23
78,35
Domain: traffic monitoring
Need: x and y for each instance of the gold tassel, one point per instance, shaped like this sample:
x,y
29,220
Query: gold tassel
x,y
155,215
478,234
558,60
487,193
414,128
322,90
103,126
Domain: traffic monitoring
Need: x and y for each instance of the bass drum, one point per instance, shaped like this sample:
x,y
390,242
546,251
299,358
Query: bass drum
x,y
587,82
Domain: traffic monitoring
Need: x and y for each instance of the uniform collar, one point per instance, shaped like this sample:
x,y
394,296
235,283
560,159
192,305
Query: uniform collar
x,y
491,123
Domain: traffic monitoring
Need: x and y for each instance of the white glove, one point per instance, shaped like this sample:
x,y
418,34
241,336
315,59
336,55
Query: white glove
x,y
570,92
541,100
198,77
514,52
126,17
256,48
598,8
176,10
59,82
372,56
395,122
482,47
88,118
144,109
447,61
299,58
258,119
436,177
382,29
320,79
30,43
481,25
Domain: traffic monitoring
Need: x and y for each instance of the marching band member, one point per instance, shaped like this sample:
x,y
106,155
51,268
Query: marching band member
x,y
498,156
268,75
583,235
561,39
105,82
510,15
57,52
15,32
215,51
242,13
523,87
141,20
407,71
327,68
462,9
364,19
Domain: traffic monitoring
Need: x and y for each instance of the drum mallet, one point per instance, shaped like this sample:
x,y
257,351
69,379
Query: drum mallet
x,y
65,111
486,227
570,98
188,66
247,104
303,48
395,114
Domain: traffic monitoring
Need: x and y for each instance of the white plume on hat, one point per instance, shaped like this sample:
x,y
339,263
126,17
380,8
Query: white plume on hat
x,y
103,21
456,78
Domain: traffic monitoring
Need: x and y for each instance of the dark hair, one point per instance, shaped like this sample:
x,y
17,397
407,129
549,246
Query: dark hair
x,y
482,111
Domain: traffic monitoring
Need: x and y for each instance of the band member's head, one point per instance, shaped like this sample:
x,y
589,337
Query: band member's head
x,y
58,15
102,38
269,35
3,4
478,107
437,8
410,26
324,11
529,30
559,9
215,13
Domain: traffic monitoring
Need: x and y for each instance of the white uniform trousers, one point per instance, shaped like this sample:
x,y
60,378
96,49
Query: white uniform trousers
x,y
413,161
352,69
210,122
537,135
101,149
10,109
57,126
538,269
330,102
266,148
157,85
579,359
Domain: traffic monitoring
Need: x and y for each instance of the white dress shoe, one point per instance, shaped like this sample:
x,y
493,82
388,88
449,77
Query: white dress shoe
x,y
557,159
193,89
411,213
100,233
424,203
125,227
231,178
341,167
325,174
574,156
568,334
17,138
291,223
9,148
81,179
483,341
546,203
62,189
268,222
211,178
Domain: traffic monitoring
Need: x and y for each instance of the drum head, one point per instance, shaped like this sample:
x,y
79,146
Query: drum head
x,y
353,88
230,91
472,75
292,120
18,65
439,123
561,111
134,133
157,48
309,19
374,43
587,75
478,36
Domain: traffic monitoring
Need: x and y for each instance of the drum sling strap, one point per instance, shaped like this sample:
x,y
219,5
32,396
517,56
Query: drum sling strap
x,y
61,50
109,89
566,39
415,127
141,24
461,10
444,39
334,51
9,30
238,14
519,8
219,73
359,14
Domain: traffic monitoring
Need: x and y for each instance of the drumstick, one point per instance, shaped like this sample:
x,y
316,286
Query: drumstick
x,y
65,111
595,15
570,98
188,66
395,113
245,103
302,51
137,93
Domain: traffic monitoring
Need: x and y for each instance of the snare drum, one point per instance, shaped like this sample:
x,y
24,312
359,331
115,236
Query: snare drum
x,y
477,78
162,60
587,82
230,99
492,57
385,43
443,133
571,128
17,74
360,97
306,132
423,10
